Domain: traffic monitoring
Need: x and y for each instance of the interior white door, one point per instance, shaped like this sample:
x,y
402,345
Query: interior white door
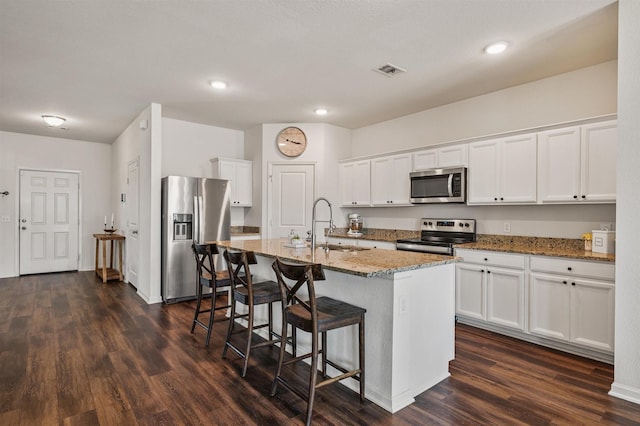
x,y
133,213
291,195
49,221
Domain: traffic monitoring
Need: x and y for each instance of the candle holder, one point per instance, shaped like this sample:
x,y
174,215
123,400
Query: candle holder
x,y
110,230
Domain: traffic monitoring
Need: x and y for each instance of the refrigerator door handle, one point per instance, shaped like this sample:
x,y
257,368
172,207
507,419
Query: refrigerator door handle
x,y
196,213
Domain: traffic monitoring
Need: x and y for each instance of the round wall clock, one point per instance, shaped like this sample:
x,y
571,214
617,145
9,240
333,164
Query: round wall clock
x,y
291,141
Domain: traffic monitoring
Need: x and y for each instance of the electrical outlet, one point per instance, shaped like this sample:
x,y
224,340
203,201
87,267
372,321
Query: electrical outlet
x,y
5,219
507,227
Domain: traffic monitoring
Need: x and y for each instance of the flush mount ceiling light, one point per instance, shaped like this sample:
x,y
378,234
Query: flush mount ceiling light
x,y
321,111
53,121
218,84
495,48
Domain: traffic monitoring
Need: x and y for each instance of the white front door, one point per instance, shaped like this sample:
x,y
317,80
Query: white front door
x,y
291,196
49,221
133,213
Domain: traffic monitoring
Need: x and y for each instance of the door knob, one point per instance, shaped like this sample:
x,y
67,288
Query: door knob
x,y
23,228
24,221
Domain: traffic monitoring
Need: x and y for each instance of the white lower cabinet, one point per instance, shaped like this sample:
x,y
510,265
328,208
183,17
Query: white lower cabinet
x,y
564,303
490,286
572,301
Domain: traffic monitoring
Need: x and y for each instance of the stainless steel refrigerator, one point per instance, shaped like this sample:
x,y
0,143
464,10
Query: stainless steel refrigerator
x,y
193,210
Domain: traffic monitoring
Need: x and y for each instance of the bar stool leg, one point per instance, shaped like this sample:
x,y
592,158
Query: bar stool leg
x,y
250,334
324,355
232,320
211,315
283,349
314,375
361,338
198,302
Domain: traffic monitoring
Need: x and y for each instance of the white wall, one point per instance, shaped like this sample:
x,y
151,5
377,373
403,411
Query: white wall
x,y
580,94
326,144
187,148
92,160
587,92
627,338
135,142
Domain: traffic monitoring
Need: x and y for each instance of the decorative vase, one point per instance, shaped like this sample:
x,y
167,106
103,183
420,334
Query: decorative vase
x,y
587,245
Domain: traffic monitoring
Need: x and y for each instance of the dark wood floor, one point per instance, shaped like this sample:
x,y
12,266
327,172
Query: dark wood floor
x,y
75,351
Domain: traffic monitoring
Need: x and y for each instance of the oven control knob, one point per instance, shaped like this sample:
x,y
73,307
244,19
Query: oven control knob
x,y
460,224
430,223
466,225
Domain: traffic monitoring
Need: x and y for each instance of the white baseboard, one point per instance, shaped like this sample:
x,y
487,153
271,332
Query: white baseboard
x,y
628,393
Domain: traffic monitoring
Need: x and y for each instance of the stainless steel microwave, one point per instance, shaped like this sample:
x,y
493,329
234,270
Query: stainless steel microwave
x,y
439,186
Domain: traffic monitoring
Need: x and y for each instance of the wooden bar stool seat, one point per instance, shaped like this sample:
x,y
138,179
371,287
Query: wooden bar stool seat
x,y
208,278
246,292
316,316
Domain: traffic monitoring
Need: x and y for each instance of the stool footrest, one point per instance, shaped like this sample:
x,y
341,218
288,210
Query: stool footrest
x,y
300,358
330,380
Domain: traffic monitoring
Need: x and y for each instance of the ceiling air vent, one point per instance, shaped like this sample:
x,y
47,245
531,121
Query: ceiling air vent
x,y
390,70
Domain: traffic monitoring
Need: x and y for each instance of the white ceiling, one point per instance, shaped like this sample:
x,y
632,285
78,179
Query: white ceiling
x,y
100,63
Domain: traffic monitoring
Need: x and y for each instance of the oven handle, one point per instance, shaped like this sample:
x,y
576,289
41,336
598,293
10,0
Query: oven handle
x,y
450,184
424,248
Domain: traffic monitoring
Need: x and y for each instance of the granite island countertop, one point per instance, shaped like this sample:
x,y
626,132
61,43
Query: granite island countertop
x,y
366,263
539,246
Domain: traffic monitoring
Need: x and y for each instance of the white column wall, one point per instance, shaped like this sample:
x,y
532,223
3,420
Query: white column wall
x,y
627,338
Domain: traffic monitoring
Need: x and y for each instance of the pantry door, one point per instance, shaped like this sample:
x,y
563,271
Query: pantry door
x,y
49,221
291,191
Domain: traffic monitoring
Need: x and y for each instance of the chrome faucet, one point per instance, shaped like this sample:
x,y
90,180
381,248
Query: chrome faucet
x,y
313,225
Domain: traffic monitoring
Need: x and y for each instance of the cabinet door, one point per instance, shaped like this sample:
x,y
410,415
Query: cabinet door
x,y
592,313
453,156
484,174
399,191
470,290
559,165
424,160
505,297
598,156
362,183
549,306
243,184
381,171
347,176
518,174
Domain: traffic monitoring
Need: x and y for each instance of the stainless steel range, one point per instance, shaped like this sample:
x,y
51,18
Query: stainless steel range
x,y
439,236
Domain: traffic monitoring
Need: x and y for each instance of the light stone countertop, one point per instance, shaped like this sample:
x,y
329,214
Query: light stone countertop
x,y
365,263
555,247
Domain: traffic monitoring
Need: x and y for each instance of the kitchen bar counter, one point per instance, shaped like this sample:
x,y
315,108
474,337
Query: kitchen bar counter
x,y
409,324
363,262
556,247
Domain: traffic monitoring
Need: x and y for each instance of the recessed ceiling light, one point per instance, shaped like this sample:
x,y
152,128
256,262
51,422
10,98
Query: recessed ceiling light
x,y
321,111
218,84
53,121
495,48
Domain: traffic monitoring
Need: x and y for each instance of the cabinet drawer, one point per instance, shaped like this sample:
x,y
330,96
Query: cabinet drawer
x,y
493,258
573,267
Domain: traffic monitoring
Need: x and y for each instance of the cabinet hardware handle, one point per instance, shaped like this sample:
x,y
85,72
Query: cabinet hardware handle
x,y
501,198
575,197
569,268
564,282
584,196
481,270
488,272
573,283
495,198
485,259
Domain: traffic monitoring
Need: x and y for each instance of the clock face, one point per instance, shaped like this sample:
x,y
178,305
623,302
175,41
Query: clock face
x,y
291,141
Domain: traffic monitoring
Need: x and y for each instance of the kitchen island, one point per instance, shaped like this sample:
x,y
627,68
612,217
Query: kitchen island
x,y
409,324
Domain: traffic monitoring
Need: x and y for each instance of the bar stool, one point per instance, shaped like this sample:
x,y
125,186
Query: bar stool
x,y
245,291
317,315
209,278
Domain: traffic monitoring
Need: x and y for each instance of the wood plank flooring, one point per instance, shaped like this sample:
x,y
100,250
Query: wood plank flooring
x,y
74,351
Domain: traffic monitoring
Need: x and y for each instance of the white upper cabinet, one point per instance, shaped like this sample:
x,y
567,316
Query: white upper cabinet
x,y
503,170
355,183
578,163
240,174
447,156
390,180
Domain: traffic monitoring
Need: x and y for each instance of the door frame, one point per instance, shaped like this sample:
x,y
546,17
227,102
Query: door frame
x,y
16,264
270,165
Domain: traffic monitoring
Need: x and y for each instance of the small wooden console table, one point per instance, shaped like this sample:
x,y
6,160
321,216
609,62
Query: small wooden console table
x,y
104,272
